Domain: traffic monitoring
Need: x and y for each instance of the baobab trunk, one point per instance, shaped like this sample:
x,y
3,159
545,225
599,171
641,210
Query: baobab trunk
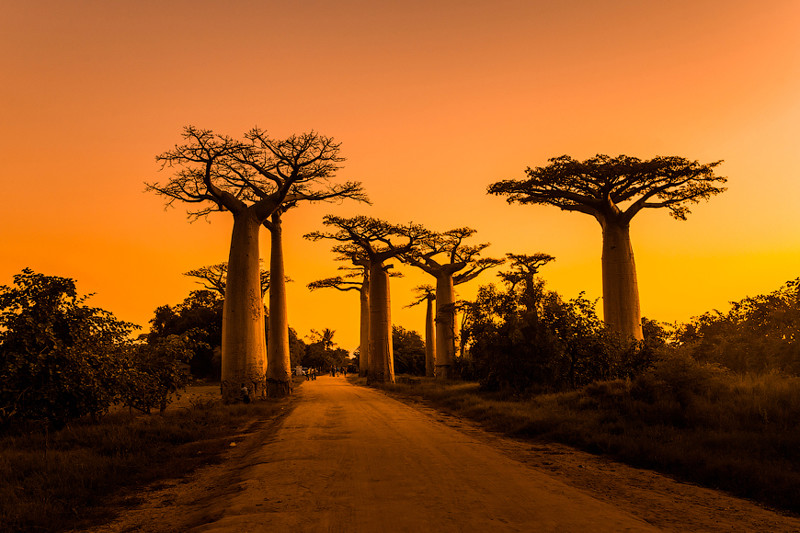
x,y
620,288
430,339
363,347
381,355
279,374
244,355
445,325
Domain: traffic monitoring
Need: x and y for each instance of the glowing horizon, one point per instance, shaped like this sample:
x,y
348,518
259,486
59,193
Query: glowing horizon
x,y
431,103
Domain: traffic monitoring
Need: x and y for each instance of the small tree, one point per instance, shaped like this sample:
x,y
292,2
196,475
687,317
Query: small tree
x,y
409,351
613,191
199,319
155,372
379,241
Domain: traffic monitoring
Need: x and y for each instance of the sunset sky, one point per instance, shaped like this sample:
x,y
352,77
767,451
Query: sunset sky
x,y
432,101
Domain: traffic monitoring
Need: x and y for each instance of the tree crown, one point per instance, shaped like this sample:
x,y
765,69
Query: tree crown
x,y
260,172
447,252
376,239
615,187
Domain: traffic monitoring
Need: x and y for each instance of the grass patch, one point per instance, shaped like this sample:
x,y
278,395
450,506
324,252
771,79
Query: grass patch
x,y
690,421
60,480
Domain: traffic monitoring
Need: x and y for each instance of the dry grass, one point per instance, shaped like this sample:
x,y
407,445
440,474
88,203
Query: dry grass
x,y
56,481
694,422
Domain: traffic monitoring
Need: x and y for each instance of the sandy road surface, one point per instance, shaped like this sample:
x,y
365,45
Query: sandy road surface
x,y
349,458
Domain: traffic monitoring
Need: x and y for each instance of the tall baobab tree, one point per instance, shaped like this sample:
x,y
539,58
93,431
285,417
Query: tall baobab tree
x,y
213,277
251,179
613,190
379,241
307,161
446,257
427,294
357,279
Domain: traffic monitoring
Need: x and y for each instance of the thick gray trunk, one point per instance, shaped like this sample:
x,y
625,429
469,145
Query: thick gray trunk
x,y
430,339
363,348
620,288
243,347
279,373
381,356
445,325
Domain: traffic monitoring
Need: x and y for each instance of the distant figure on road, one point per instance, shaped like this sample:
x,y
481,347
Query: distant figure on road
x,y
245,394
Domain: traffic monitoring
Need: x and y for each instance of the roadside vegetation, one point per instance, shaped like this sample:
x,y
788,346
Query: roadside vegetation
x,y
715,401
85,407
58,480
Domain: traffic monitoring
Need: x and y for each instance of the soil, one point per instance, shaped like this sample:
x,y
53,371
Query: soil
x,y
350,458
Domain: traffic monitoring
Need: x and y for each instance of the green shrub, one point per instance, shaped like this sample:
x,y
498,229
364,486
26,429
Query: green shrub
x,y
59,358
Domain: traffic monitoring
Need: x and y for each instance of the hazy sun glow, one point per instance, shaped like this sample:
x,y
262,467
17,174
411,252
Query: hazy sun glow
x,y
432,101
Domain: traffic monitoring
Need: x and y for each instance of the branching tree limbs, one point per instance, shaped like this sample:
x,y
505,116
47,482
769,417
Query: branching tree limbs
x,y
252,179
213,278
305,164
427,294
376,241
446,257
613,190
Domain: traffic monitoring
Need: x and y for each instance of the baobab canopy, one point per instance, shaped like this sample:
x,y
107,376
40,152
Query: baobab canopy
x,y
613,190
621,186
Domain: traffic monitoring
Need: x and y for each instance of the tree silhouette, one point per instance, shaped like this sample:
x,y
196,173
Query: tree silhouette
x,y
378,241
324,337
427,294
252,179
308,161
357,279
613,190
446,257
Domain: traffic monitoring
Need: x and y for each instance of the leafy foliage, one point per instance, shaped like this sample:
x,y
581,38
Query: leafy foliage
x,y
59,358
757,334
155,371
199,319
409,351
522,336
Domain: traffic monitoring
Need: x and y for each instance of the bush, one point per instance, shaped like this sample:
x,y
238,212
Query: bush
x,y
758,334
59,358
524,338
155,372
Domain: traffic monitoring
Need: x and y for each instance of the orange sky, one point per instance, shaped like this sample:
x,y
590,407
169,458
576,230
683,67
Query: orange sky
x,y
432,101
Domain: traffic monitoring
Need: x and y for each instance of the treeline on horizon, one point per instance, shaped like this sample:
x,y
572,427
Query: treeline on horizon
x,y
62,359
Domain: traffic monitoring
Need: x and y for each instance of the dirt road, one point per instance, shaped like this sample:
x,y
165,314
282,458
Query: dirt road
x,y
350,458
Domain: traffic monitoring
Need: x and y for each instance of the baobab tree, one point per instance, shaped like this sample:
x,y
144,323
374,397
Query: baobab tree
x,y
251,179
427,294
213,277
356,279
613,190
379,241
307,161
447,258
